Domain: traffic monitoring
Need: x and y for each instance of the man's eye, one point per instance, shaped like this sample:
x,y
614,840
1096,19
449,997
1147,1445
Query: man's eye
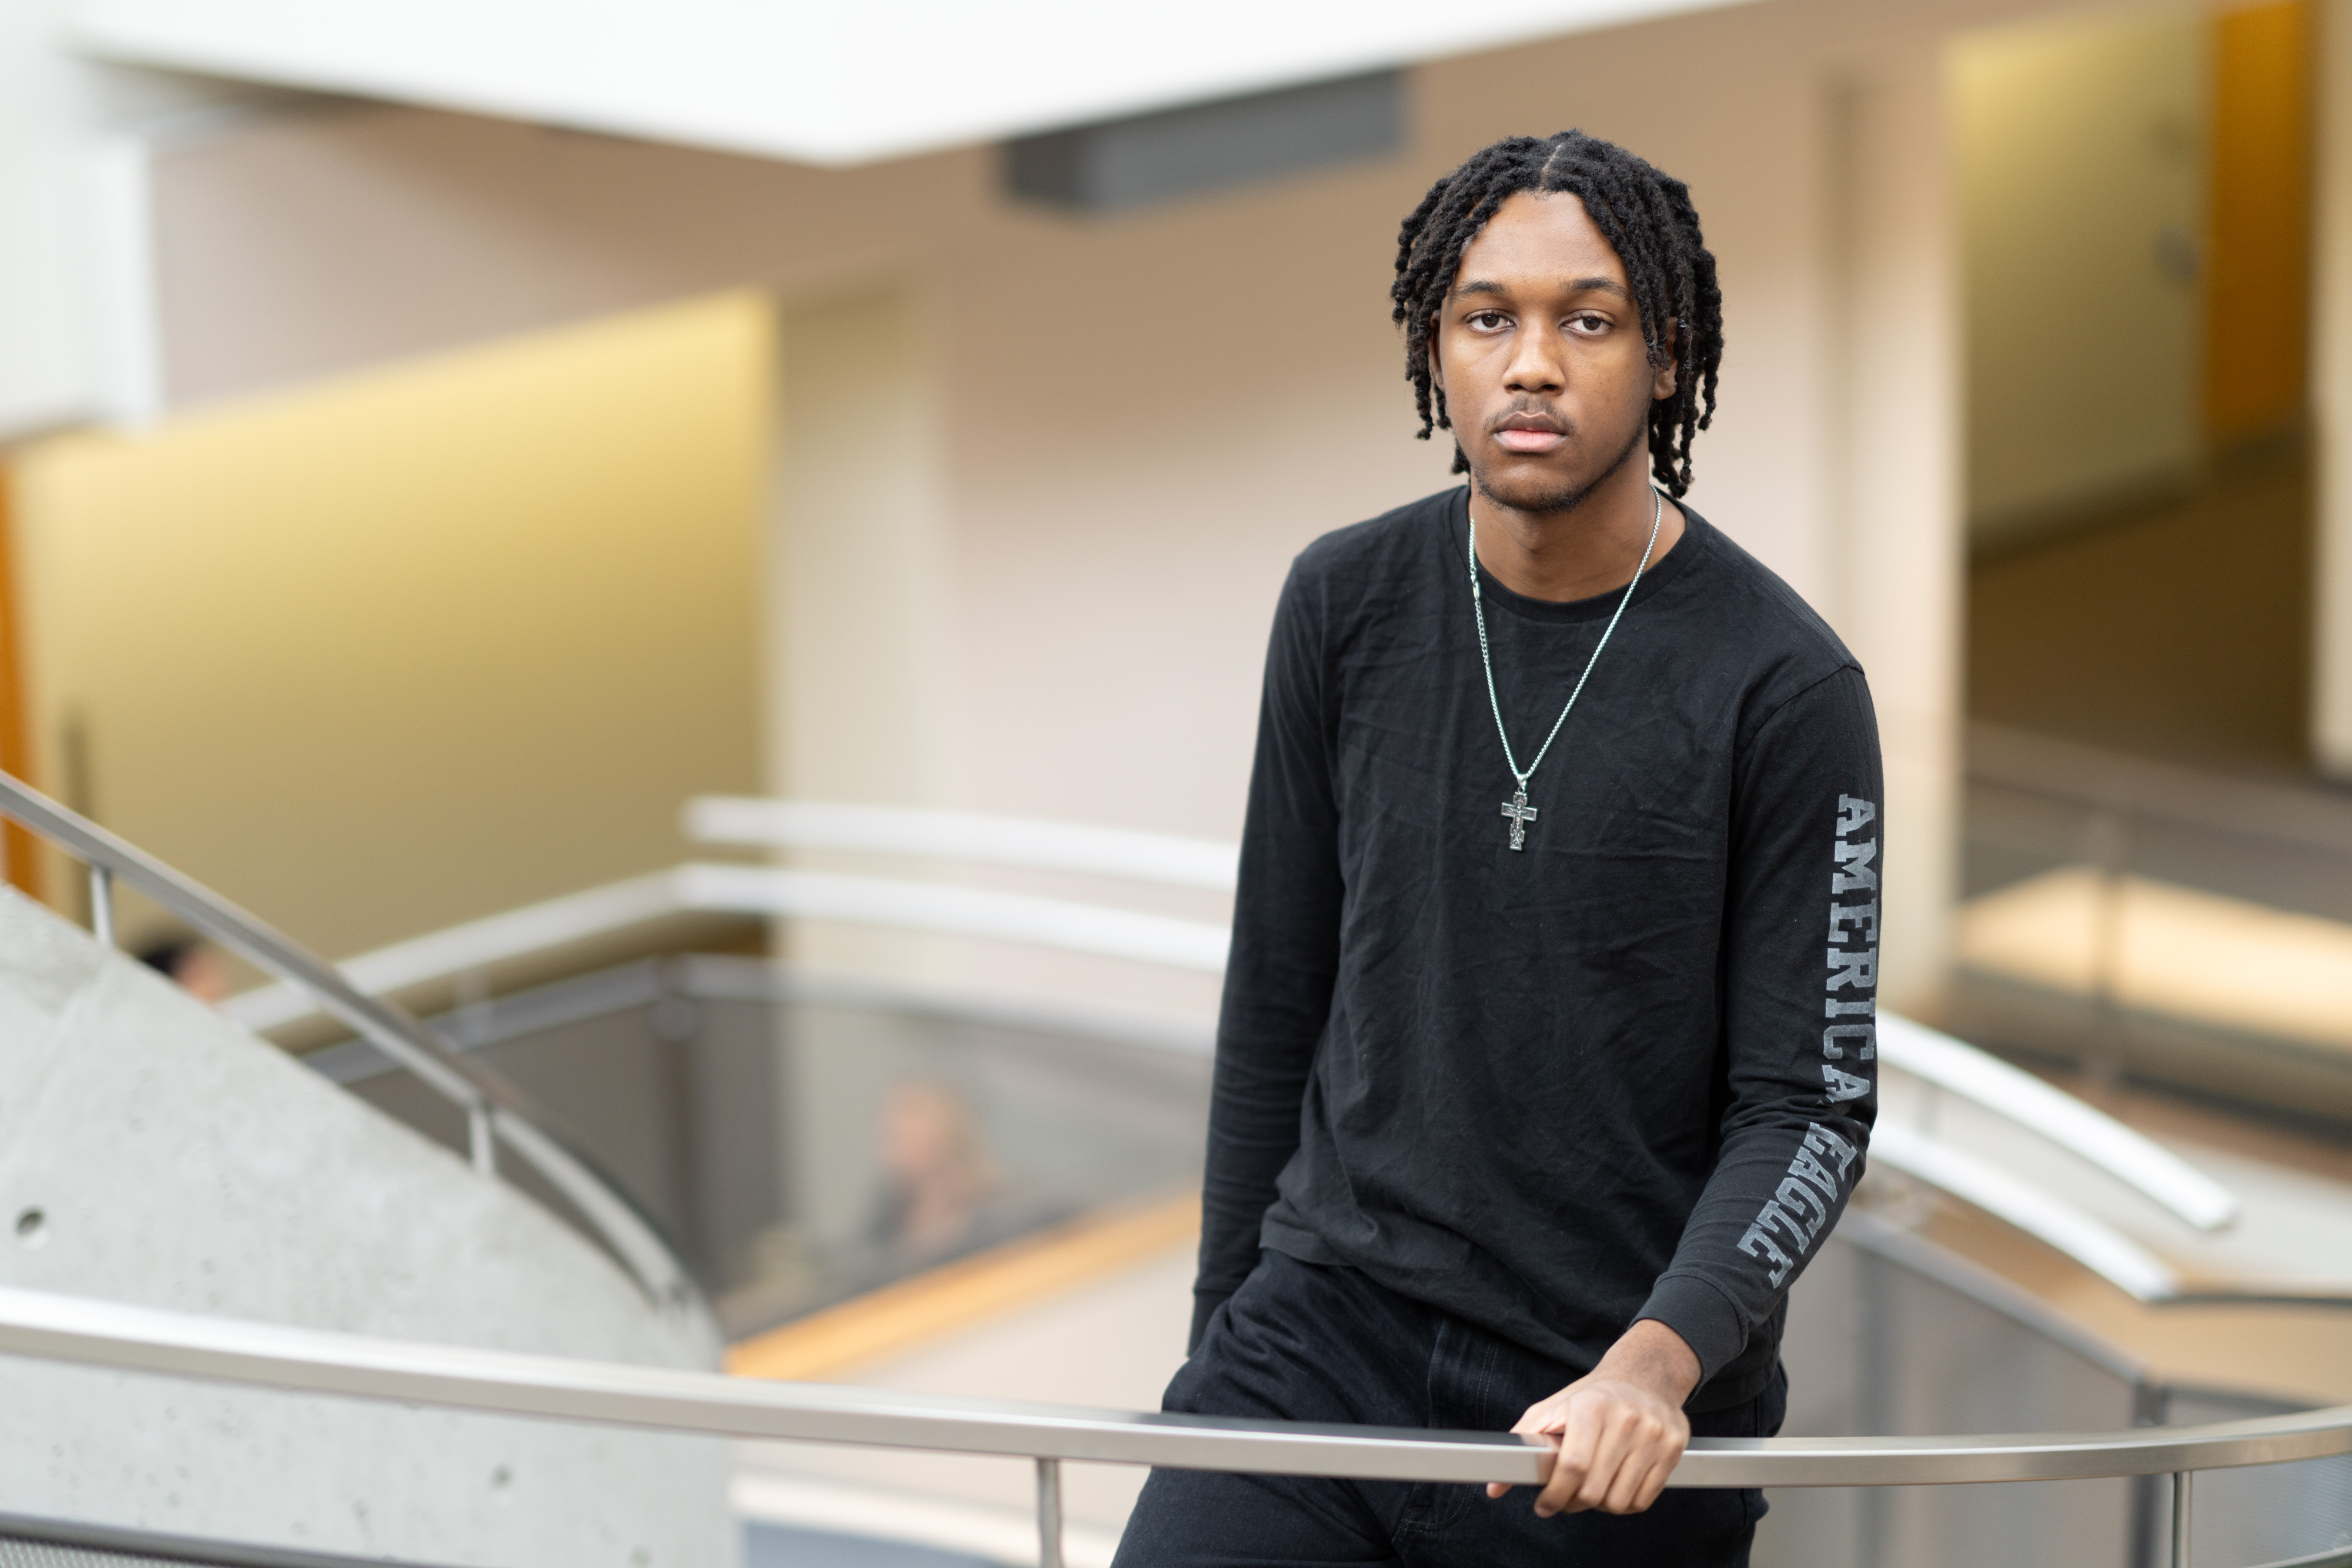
x,y
1589,325
1488,320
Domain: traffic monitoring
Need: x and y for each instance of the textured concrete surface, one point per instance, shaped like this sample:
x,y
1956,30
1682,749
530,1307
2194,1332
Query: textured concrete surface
x,y
152,1152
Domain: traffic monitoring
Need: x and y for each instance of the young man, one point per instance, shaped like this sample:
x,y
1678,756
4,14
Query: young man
x,y
1534,1090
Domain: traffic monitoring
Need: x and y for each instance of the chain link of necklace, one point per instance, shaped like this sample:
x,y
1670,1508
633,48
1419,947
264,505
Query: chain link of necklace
x,y
1478,606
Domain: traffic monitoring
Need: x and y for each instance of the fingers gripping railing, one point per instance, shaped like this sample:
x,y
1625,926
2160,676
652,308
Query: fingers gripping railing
x,y
143,1339
491,1119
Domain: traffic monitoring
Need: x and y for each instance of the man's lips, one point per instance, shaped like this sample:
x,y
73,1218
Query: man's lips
x,y
1529,438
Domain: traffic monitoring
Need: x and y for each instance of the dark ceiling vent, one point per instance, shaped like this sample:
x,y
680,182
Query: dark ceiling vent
x,y
1121,163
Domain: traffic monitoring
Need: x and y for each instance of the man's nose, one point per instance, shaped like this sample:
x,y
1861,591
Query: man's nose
x,y
1536,364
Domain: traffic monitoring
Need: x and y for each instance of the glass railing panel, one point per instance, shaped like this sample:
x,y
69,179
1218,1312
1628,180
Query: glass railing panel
x,y
2299,1513
804,1140
1888,1337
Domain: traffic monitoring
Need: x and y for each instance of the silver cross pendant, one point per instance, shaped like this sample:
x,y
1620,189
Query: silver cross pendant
x,y
1521,814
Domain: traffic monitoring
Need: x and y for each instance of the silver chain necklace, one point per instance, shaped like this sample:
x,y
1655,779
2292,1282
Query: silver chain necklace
x,y
1516,808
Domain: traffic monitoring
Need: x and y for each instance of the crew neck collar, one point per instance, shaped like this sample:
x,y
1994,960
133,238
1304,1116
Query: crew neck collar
x,y
1600,606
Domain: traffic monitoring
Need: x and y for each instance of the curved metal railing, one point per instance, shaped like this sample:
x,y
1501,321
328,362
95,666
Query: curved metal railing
x,y
110,1335
492,1118
1026,842
144,1339
1946,1065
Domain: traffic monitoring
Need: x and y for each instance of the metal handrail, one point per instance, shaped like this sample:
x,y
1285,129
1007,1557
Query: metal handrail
x,y
1124,852
1946,1064
146,1339
756,892
81,1542
2089,1133
2045,1215
492,1117
1950,1065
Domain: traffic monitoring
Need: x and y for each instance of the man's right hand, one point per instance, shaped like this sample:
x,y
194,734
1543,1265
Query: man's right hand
x,y
1620,1429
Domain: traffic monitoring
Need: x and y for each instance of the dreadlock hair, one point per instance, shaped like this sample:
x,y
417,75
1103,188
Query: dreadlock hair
x,y
1647,219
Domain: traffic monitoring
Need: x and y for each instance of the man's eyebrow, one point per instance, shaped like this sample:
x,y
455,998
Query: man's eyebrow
x,y
1595,284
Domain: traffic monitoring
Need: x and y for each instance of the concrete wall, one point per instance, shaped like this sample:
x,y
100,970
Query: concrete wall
x,y
1126,426
151,1152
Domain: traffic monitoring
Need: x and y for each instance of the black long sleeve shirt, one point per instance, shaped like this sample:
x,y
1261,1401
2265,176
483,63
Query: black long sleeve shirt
x,y
1627,1072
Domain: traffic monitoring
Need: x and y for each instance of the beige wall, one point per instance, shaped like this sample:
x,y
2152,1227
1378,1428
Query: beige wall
x,y
859,587
420,644
1126,427
1893,527
2080,150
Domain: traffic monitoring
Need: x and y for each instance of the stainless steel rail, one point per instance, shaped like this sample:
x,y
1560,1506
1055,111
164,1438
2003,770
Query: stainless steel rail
x,y
758,892
144,1339
1120,853
1949,1065
77,1543
491,1117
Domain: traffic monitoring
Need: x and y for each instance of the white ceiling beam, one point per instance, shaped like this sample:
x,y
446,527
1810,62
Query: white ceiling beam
x,y
825,84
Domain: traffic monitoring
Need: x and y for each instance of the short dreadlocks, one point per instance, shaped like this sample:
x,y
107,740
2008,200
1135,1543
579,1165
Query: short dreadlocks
x,y
1648,219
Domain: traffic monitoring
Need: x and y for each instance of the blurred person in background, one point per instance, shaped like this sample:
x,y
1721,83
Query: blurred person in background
x,y
939,1182
1529,1120
193,963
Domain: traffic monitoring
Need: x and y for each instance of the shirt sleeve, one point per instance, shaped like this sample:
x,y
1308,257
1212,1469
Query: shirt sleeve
x,y
1799,997
1285,956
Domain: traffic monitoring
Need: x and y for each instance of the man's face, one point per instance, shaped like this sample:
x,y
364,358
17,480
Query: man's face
x,y
1538,349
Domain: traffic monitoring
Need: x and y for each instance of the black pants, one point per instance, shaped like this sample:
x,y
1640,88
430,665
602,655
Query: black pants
x,y
1301,1342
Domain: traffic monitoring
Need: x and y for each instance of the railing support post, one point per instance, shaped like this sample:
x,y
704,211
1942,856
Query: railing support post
x,y
101,904
1049,1513
481,1138
2182,1481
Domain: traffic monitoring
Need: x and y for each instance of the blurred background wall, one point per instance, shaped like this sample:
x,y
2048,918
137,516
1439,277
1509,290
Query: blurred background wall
x,y
2016,393
2137,205
421,643
2082,152
1095,439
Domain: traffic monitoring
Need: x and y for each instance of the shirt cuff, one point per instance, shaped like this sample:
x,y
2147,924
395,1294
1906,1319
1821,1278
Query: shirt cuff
x,y
1703,1315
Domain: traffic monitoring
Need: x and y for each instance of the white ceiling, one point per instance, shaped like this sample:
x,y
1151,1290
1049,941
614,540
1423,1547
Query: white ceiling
x,y
819,83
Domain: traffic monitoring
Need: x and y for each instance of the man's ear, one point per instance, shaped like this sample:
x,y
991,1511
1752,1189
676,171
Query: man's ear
x,y
1436,369
1663,381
